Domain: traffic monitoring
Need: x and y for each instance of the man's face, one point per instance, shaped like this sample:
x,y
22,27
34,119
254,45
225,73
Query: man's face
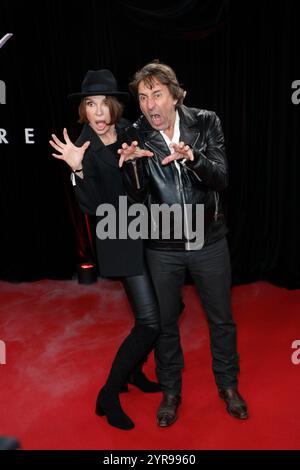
x,y
157,104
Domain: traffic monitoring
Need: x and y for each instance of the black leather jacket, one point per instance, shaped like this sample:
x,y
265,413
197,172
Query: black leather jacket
x,y
196,182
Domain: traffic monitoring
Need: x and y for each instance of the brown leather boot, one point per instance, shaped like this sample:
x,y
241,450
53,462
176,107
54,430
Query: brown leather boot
x,y
236,405
167,411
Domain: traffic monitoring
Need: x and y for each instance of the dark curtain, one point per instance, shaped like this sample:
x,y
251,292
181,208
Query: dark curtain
x,y
236,58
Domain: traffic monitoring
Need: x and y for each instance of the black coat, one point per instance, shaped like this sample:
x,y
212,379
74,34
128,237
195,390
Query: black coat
x,y
102,183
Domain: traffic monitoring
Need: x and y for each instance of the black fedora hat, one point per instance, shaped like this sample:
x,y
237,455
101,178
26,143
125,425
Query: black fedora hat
x,y
99,82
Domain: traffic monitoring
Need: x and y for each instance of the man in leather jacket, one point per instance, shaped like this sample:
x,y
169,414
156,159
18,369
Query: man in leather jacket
x,y
185,165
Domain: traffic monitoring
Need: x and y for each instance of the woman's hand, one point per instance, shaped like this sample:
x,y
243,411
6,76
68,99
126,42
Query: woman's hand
x,y
68,152
130,152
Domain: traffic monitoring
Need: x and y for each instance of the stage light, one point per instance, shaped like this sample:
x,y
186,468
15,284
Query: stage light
x,y
87,273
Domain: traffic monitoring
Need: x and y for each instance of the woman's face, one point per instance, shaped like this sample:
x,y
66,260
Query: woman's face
x,y
98,114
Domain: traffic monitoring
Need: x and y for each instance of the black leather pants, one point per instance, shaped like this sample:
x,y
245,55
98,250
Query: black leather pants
x,y
142,298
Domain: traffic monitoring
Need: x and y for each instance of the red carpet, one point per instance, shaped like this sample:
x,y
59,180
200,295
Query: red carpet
x,y
60,340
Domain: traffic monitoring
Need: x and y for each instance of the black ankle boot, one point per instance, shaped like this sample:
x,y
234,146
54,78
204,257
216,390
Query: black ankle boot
x,y
130,354
108,404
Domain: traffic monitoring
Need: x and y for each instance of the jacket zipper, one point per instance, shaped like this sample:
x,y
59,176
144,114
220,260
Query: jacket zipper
x,y
136,175
186,222
216,196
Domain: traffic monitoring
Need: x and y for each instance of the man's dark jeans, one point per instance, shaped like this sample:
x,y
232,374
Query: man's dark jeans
x,y
210,271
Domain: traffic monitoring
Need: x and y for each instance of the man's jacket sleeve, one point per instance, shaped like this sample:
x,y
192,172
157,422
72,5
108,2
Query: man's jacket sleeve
x,y
209,162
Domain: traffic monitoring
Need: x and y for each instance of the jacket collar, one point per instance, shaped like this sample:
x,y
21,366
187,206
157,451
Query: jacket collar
x,y
97,145
188,125
189,128
88,133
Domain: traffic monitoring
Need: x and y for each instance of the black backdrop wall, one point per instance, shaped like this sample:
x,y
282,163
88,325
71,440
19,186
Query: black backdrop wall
x,y
236,58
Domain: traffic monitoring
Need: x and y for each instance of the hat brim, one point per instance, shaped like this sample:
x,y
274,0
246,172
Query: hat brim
x,y
121,95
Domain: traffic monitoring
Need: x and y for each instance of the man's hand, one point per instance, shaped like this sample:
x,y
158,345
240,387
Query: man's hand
x,y
181,151
130,152
69,153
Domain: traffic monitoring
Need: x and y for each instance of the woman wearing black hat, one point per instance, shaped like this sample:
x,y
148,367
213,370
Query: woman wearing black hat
x,y
97,179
